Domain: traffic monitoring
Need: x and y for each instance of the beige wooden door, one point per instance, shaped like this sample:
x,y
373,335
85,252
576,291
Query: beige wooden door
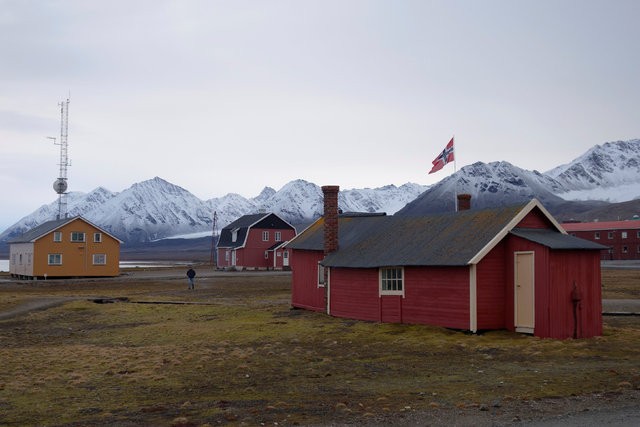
x,y
524,292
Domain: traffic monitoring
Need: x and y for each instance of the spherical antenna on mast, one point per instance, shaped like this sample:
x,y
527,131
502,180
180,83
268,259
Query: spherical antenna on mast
x,y
60,186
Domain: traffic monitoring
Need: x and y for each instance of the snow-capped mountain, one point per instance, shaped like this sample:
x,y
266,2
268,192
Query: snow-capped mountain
x,y
610,171
492,184
156,209
607,172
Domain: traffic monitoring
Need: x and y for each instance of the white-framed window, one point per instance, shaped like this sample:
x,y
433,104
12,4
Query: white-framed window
x,y
77,236
97,237
322,279
265,236
638,234
99,259
597,235
226,255
392,281
55,259
623,234
610,235
57,236
625,249
638,250
266,254
234,234
278,236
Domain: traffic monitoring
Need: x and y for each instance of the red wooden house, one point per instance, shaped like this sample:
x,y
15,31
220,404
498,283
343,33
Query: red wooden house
x,y
255,242
621,238
509,268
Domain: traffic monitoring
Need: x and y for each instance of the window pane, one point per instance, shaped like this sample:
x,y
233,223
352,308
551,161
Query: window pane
x,y
391,279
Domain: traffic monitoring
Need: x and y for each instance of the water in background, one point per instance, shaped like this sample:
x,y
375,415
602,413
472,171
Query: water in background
x,y
4,264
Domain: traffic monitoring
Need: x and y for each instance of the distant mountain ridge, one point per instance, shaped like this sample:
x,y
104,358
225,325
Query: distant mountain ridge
x,y
156,209
610,171
606,173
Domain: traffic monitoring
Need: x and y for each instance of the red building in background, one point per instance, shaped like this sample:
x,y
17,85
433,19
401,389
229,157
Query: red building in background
x,y
255,242
621,237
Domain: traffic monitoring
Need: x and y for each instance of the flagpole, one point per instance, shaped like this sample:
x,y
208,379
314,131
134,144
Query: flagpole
x,y
455,186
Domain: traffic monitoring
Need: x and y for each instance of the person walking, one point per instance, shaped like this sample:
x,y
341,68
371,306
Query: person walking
x,y
191,274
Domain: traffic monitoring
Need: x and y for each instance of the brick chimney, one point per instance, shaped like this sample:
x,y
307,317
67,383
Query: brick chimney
x,y
464,202
330,193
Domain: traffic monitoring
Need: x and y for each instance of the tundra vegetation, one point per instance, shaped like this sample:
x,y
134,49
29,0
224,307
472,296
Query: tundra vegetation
x,y
241,356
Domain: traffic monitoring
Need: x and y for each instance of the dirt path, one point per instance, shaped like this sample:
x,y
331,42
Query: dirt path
x,y
34,304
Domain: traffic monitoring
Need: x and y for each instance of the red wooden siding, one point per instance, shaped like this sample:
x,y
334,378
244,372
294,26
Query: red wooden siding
x,y
252,255
354,293
583,269
491,292
535,219
437,296
391,308
555,272
305,292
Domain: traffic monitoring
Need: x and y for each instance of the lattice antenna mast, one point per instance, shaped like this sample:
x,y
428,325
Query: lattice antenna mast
x,y
214,241
60,185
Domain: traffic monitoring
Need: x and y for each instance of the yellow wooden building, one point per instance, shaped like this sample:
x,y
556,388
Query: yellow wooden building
x,y
69,247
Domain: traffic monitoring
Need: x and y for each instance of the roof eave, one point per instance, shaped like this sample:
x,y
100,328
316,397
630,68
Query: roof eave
x,y
534,203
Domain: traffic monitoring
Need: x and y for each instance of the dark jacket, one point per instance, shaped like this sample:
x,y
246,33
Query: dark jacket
x,y
191,273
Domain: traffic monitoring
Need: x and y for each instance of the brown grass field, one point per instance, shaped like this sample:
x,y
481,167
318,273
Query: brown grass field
x,y
241,356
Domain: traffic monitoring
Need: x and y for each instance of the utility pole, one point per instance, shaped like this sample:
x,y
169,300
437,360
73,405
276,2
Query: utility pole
x,y
214,241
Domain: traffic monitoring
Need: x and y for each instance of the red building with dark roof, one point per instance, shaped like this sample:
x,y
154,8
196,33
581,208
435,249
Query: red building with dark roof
x,y
511,268
255,241
622,238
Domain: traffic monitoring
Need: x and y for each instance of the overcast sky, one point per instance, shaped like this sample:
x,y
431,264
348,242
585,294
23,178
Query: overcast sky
x,y
231,96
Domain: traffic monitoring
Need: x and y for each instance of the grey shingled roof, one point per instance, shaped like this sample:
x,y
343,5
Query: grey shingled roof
x,y
40,230
443,240
554,240
49,226
242,224
452,239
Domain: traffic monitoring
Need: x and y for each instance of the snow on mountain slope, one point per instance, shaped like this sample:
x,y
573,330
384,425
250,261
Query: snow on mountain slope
x,y
150,210
77,204
610,171
389,199
156,209
298,201
492,184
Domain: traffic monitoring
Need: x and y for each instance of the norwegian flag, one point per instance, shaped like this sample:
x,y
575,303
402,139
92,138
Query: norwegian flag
x,y
443,158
